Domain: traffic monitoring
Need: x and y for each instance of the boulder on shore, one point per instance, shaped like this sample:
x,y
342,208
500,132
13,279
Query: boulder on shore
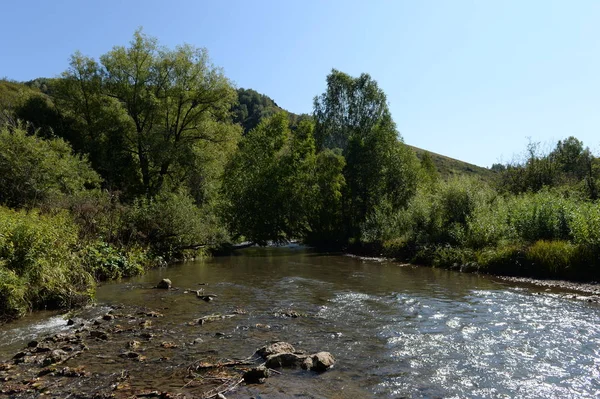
x,y
164,284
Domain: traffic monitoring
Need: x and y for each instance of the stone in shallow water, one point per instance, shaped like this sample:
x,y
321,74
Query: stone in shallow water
x,y
164,284
321,361
285,360
275,348
256,375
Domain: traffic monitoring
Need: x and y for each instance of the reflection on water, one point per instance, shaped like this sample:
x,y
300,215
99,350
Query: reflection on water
x,y
396,331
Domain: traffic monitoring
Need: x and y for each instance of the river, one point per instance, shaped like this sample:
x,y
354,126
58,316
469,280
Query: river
x,y
396,331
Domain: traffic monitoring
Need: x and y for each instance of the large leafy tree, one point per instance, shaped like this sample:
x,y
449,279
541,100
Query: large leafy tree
x,y
352,115
269,183
166,106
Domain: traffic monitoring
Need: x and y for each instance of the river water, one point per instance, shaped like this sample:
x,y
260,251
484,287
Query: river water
x,y
396,331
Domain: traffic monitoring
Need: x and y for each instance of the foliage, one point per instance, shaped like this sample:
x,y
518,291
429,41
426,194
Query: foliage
x,y
326,215
34,171
352,115
152,103
569,165
251,108
171,223
269,182
39,264
105,262
552,258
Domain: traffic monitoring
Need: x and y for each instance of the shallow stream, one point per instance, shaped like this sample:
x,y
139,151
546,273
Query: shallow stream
x,y
396,331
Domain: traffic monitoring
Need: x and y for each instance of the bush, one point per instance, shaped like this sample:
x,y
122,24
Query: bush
x,y
453,257
171,224
585,225
40,267
34,171
106,262
541,216
12,294
506,260
552,258
487,226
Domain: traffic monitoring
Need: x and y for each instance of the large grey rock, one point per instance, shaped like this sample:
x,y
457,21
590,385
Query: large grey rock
x,y
164,284
284,360
321,361
275,348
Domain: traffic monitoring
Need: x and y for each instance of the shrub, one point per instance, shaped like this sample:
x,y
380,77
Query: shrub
x,y
34,171
541,216
585,225
39,262
552,258
172,224
507,260
12,294
106,262
452,257
487,226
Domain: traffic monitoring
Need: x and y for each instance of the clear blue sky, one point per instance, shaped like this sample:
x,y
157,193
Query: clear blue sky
x,y
468,79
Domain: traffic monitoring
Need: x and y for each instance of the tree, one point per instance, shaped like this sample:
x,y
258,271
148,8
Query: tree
x,y
251,108
165,101
353,115
349,107
269,183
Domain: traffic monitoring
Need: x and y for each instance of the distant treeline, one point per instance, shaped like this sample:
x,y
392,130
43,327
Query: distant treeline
x,y
150,154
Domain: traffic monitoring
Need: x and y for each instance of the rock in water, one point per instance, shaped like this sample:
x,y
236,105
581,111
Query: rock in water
x,y
256,375
275,348
164,284
285,360
321,361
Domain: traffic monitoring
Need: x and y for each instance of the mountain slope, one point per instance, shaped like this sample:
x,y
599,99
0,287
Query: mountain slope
x,y
449,167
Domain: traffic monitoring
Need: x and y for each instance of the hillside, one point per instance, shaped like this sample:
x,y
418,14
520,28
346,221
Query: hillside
x,y
448,167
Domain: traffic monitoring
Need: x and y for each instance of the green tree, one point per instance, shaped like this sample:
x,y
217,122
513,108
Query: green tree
x,y
269,183
164,101
326,218
252,107
353,115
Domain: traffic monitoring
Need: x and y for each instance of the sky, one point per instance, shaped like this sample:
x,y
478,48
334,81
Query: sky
x,y
473,80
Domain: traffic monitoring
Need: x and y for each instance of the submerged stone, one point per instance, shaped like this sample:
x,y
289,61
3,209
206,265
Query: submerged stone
x,y
164,284
256,375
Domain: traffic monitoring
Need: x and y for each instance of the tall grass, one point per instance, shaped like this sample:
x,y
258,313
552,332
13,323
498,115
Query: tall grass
x,y
463,223
39,265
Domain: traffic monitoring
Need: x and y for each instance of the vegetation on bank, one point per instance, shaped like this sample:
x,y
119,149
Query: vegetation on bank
x,y
150,154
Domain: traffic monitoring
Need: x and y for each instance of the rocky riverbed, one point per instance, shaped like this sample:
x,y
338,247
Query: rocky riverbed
x,y
128,352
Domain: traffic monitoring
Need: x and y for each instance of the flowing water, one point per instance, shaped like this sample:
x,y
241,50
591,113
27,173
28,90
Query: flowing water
x,y
396,331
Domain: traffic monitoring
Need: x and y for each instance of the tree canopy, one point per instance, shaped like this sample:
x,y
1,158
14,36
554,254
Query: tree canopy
x,y
161,102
